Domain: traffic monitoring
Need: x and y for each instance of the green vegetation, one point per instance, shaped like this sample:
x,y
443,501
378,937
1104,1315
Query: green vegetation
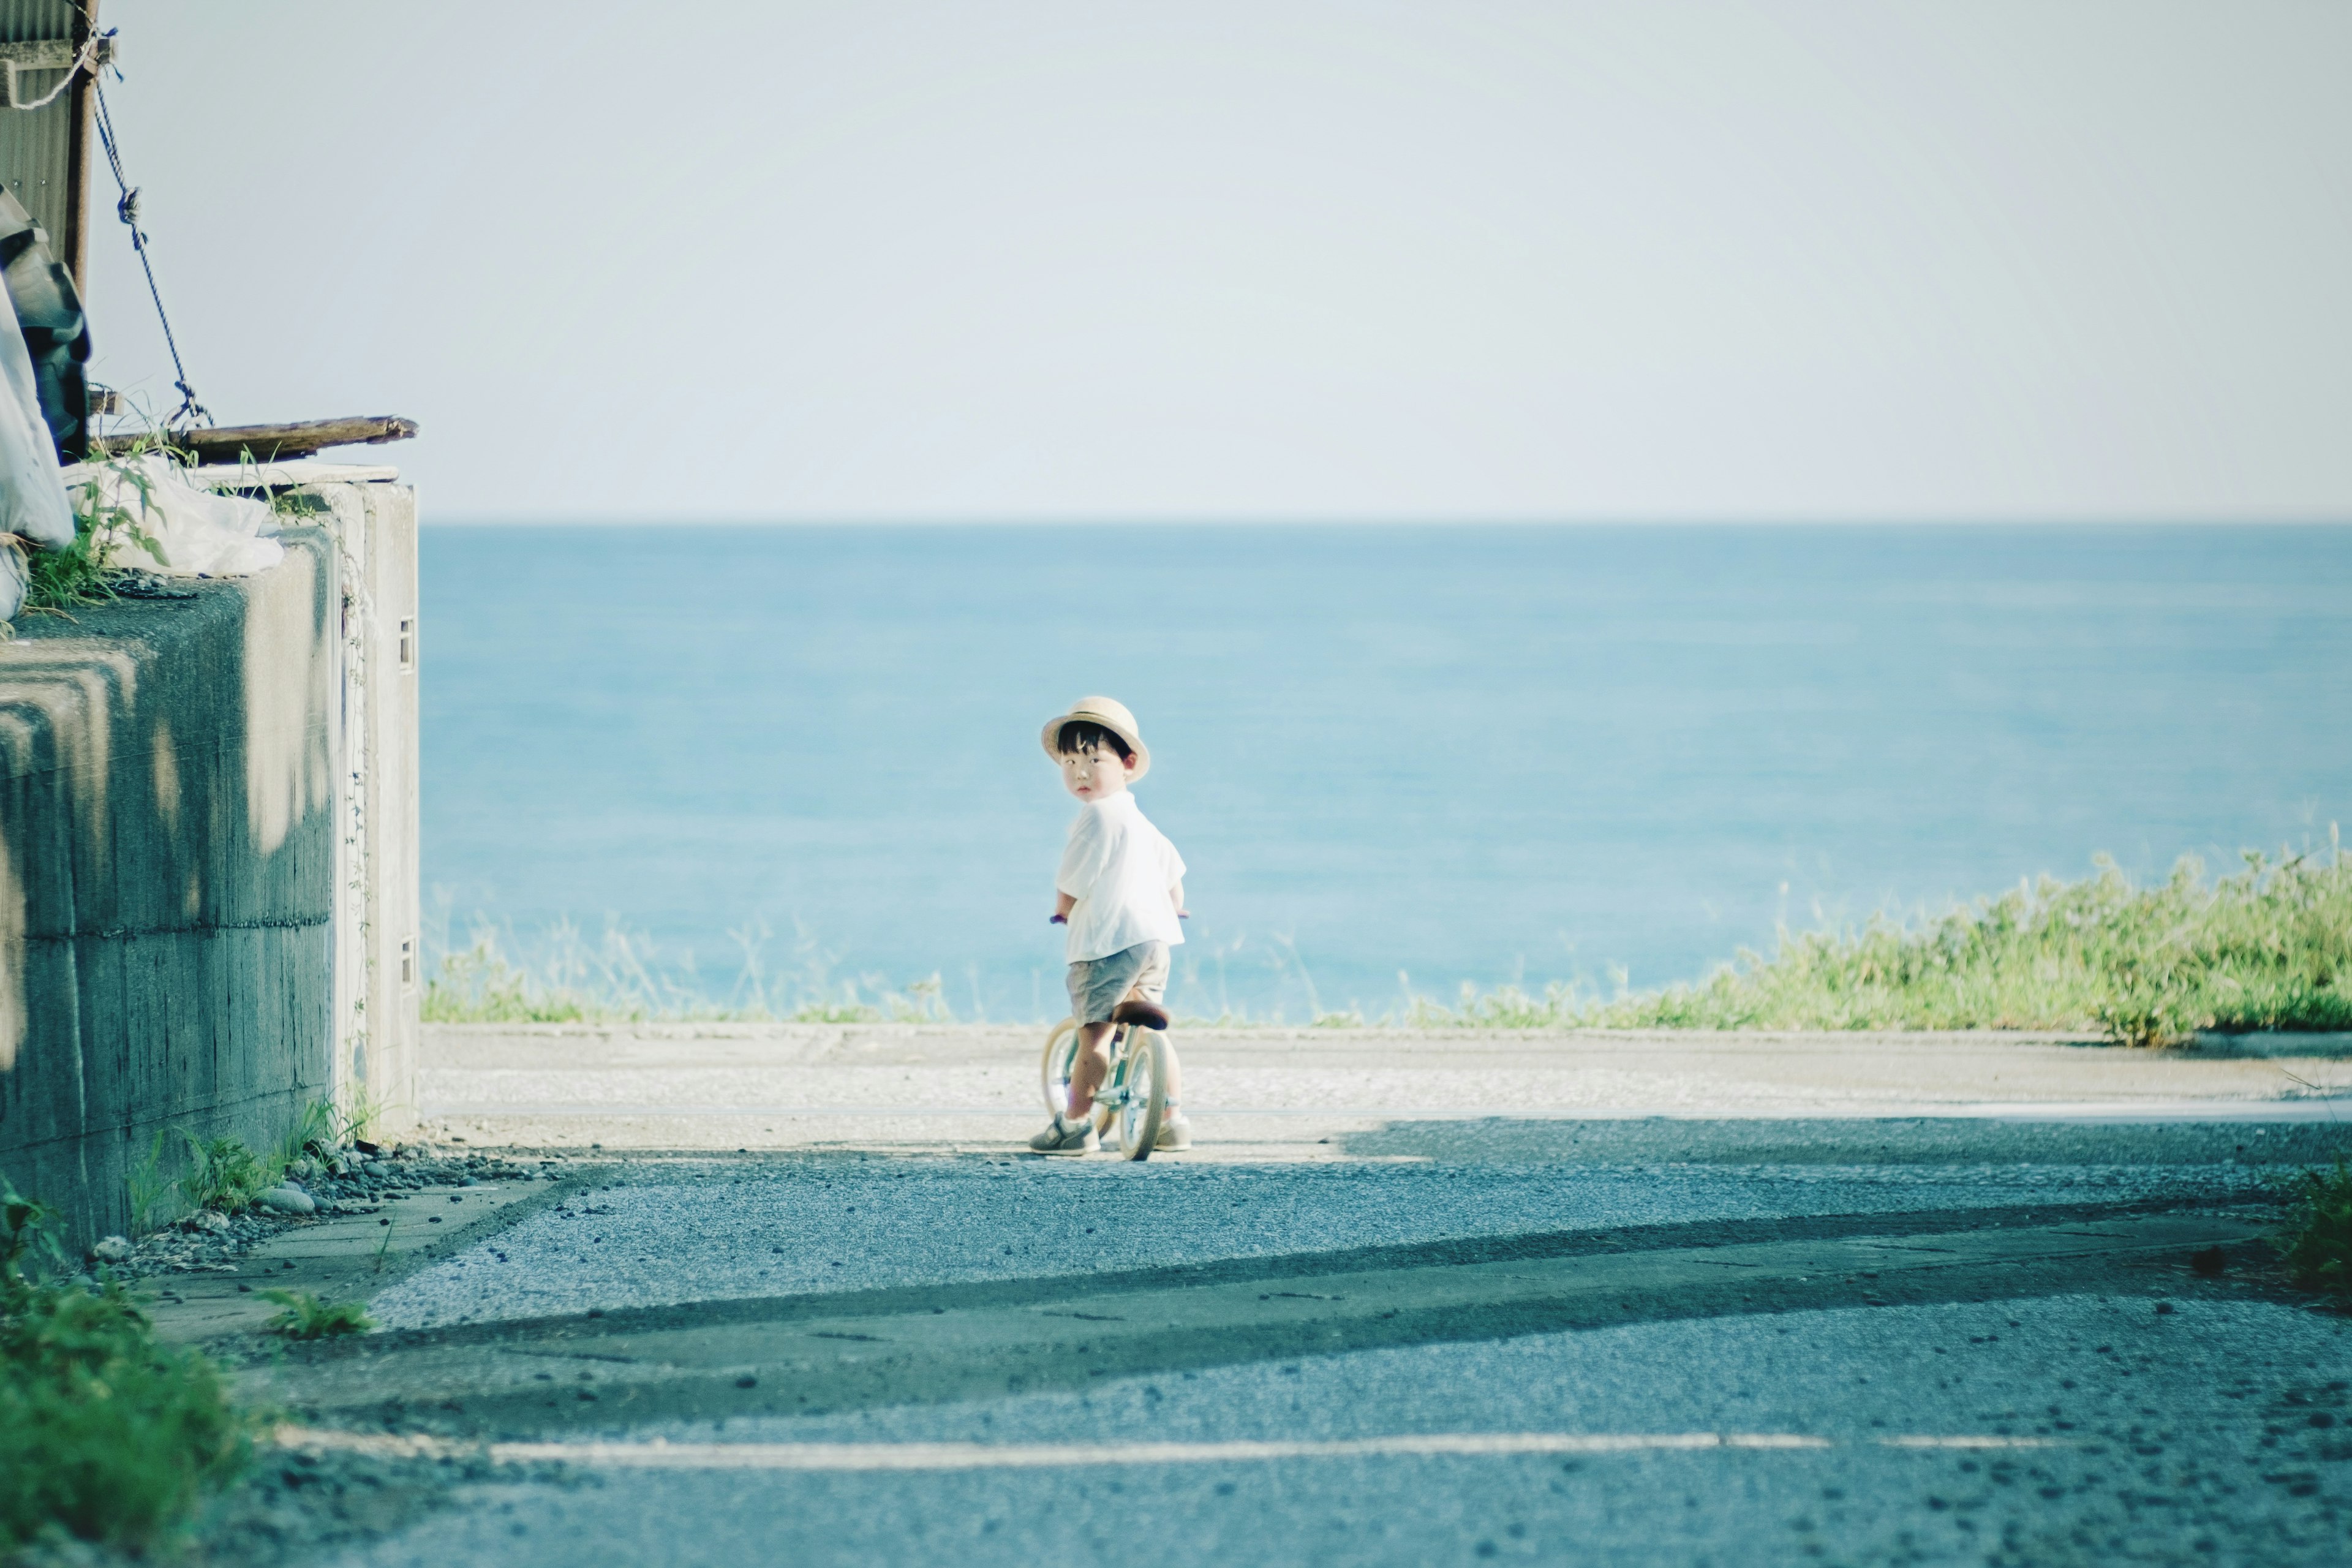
x,y
224,1175
621,982
2318,1241
305,1317
59,581
150,1188
2268,948
106,1433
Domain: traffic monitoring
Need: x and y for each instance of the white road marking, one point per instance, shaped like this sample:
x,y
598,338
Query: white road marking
x,y
659,1455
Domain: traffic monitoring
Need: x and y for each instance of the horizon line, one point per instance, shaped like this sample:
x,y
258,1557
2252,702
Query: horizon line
x,y
542,520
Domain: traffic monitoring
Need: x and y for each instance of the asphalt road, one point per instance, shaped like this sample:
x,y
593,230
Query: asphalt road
x,y
1672,1342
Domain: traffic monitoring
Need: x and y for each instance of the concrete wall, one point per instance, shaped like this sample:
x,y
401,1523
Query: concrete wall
x,y
207,861
167,864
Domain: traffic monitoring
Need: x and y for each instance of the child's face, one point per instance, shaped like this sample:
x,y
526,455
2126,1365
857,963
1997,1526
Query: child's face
x,y
1095,773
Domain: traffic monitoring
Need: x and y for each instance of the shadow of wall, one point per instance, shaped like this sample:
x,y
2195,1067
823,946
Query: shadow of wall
x,y
166,878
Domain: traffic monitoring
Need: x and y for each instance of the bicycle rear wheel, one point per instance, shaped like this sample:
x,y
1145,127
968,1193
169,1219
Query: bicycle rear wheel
x,y
1146,1103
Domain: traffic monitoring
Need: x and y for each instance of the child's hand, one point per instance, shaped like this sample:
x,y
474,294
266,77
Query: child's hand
x,y
1183,914
1057,919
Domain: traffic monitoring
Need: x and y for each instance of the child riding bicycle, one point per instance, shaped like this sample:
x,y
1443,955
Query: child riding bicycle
x,y
1120,891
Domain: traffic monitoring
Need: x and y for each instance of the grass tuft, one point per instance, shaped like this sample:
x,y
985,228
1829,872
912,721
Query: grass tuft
x,y
58,582
106,1433
2318,1241
225,1174
305,1317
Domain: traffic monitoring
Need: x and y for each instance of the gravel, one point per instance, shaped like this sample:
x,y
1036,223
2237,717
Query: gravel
x,y
207,1241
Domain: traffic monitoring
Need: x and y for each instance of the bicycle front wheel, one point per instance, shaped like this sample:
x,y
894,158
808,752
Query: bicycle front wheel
x,y
1145,1105
1054,1070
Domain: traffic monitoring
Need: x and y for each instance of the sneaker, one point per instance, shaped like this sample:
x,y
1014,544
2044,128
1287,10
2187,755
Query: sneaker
x,y
1068,1138
1175,1132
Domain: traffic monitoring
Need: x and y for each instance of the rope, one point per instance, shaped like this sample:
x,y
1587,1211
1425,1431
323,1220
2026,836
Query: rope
x,y
80,64
127,210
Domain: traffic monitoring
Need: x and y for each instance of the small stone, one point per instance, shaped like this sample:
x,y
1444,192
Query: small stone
x,y
208,1219
288,1200
2211,1262
2163,1307
112,1249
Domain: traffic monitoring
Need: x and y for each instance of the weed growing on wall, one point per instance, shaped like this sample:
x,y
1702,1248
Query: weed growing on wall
x,y
224,1175
58,581
151,1192
106,1433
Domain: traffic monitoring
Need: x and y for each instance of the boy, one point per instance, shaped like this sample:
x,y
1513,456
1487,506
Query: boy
x,y
1120,891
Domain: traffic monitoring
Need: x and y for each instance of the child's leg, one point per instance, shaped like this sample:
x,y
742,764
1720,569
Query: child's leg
x,y
1093,1066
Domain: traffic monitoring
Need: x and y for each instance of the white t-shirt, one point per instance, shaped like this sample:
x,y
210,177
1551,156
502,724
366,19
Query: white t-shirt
x,y
1118,868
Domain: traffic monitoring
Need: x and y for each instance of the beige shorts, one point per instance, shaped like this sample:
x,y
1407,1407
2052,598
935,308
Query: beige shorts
x,y
1098,985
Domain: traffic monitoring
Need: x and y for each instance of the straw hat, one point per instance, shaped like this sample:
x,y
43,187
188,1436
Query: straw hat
x,y
1111,715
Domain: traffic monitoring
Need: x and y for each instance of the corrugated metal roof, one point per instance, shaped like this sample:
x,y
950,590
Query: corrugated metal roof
x,y
34,144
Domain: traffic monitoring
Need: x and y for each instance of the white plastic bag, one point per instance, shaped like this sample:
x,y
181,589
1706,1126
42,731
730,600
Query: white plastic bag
x,y
152,520
32,496
12,584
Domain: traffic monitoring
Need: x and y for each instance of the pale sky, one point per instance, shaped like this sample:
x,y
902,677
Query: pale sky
x,y
1269,261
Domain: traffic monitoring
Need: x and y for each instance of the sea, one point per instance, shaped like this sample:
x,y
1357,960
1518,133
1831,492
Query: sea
x,y
772,766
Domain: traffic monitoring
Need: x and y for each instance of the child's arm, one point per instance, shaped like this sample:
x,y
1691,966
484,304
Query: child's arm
x,y
1063,905
1176,897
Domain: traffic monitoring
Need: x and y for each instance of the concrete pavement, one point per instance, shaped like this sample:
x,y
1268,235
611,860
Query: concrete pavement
x,y
1272,1093
1933,1328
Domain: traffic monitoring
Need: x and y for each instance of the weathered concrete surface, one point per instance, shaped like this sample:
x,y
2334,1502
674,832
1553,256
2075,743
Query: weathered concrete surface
x,y
1258,1094
812,1354
853,1358
167,862
340,1258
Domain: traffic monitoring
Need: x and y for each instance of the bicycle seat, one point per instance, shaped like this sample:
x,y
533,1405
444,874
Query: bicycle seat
x,y
1141,1013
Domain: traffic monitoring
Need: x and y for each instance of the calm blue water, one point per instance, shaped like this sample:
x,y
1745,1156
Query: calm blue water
x,y
1462,753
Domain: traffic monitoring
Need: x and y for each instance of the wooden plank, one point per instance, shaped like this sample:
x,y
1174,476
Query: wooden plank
x,y
231,443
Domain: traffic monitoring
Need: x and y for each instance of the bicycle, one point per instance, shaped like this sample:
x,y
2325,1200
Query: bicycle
x,y
1135,1095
